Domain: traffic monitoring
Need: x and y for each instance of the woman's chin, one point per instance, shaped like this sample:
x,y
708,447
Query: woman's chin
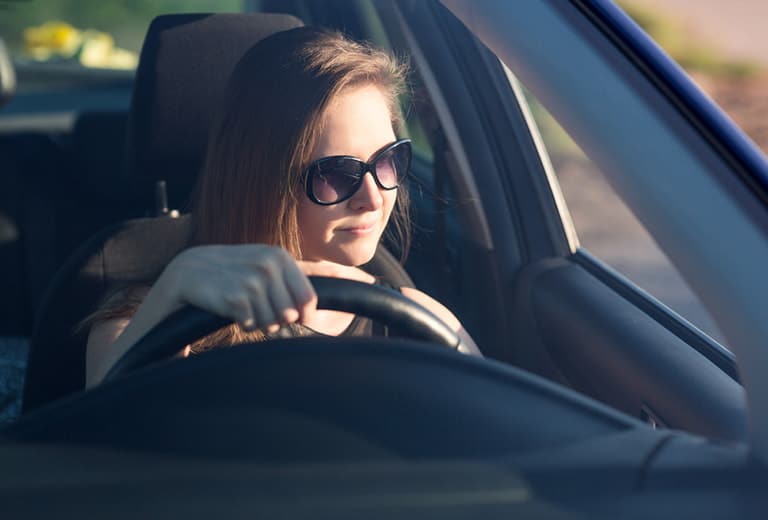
x,y
352,256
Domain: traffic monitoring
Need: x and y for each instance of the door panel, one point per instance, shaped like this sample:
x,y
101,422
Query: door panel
x,y
573,328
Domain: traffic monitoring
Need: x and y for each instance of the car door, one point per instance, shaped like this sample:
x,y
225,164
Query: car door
x,y
553,307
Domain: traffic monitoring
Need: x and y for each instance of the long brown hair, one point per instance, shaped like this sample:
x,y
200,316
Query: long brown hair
x,y
262,140
266,131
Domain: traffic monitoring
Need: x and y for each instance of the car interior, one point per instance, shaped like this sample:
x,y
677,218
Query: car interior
x,y
94,206
588,387
68,186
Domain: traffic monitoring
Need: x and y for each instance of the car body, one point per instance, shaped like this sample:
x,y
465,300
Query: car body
x,y
594,399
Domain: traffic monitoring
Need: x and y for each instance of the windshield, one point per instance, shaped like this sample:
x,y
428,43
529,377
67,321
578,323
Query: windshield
x,y
79,54
88,33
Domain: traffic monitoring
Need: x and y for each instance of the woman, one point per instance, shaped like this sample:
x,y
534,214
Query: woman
x,y
302,177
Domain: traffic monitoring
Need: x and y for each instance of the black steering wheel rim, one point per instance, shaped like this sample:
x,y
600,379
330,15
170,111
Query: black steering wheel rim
x,y
372,301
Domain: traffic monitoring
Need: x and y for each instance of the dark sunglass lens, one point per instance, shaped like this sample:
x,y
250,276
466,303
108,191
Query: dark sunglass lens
x,y
335,180
386,170
392,166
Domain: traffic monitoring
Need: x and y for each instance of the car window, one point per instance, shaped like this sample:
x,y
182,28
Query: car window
x,y
721,46
78,55
608,230
89,33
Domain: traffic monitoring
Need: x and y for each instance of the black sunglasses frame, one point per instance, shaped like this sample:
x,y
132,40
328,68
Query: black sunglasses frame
x,y
365,167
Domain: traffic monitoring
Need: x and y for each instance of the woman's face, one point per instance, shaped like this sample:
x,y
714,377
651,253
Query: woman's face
x,y
356,123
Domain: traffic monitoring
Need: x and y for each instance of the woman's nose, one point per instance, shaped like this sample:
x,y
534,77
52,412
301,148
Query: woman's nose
x,y
368,196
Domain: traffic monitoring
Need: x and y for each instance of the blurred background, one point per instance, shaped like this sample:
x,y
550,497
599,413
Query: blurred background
x,y
45,30
722,45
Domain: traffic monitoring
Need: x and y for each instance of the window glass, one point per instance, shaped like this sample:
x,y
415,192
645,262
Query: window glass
x,y
72,56
608,230
723,46
88,33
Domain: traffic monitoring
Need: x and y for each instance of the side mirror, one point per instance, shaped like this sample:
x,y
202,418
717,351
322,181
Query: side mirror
x,y
7,75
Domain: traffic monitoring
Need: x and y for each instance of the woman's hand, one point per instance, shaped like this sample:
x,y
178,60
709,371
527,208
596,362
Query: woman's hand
x,y
258,286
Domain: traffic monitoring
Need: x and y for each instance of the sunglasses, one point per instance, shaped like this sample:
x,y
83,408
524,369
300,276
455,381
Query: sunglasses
x,y
331,180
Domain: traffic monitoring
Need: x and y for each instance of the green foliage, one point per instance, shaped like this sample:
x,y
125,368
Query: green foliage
x,y
676,41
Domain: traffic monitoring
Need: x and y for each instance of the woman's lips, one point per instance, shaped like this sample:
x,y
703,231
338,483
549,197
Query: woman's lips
x,y
362,229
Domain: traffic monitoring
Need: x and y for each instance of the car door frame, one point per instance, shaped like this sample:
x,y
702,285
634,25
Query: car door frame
x,y
627,349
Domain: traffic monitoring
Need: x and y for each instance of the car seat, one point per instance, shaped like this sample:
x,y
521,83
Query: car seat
x,y
182,72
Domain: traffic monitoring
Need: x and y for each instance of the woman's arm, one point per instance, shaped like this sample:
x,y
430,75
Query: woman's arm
x,y
257,286
103,349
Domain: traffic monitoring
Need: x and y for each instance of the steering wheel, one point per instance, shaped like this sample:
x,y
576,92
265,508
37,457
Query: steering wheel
x,y
387,306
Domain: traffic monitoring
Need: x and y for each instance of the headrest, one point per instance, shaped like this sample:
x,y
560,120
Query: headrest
x,y
183,70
